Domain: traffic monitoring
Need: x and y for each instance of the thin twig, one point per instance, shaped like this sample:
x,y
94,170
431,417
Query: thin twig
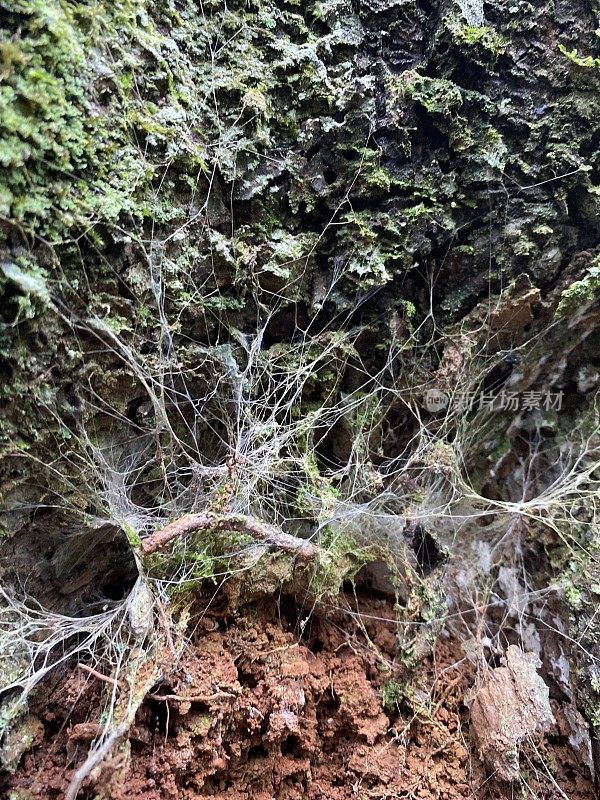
x,y
200,698
100,676
260,531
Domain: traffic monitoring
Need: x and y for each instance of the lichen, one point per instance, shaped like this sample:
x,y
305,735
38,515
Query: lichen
x,y
580,292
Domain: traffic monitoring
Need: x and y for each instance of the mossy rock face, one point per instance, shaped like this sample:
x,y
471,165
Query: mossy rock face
x,y
67,165
118,117
301,153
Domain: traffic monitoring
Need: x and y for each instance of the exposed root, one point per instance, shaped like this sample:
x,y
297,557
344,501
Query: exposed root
x,y
99,675
268,535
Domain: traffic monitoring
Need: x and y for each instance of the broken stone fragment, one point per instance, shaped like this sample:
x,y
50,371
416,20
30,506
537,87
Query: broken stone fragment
x,y
511,704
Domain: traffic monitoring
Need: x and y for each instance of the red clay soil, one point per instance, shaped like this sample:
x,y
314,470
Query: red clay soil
x,y
280,715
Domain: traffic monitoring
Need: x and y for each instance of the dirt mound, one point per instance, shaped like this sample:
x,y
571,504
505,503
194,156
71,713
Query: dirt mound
x,y
268,706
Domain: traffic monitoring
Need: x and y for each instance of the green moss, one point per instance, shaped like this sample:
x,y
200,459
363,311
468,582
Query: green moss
x,y
132,536
66,163
32,297
573,596
580,292
378,181
378,245
206,556
284,260
436,95
392,694
587,62
340,559
481,37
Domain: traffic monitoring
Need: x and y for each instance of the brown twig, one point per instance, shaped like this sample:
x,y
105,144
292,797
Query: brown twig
x,y
272,537
99,675
201,698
